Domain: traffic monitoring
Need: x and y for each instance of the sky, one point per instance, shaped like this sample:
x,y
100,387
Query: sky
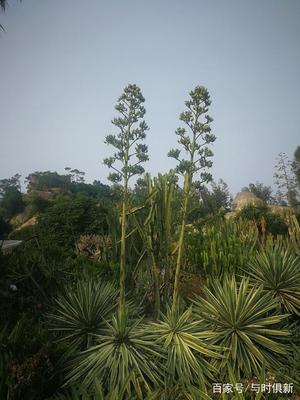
x,y
64,63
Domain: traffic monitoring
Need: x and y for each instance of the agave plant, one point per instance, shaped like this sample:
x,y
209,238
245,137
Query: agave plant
x,y
277,268
242,319
125,360
186,347
82,311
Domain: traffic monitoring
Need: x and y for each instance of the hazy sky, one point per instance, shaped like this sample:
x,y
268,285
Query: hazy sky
x,y
63,64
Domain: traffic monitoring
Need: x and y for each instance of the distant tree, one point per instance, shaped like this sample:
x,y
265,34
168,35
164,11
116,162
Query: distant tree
x,y
46,180
194,142
261,191
220,195
11,203
127,159
212,200
11,199
296,166
3,4
13,182
285,180
96,190
75,175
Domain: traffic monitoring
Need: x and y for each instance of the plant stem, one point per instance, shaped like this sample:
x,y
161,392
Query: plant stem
x,y
187,182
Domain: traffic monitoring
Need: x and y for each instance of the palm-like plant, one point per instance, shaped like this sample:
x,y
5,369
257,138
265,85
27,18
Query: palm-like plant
x,y
277,269
186,347
124,359
82,311
242,320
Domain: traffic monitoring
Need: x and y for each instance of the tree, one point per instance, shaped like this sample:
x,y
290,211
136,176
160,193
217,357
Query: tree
x,y
13,182
3,4
285,180
68,218
46,180
198,157
215,199
75,175
11,199
296,165
261,191
127,159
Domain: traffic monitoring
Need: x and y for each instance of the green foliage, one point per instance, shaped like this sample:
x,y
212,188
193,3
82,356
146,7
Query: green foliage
x,y
126,359
155,225
81,311
185,343
294,233
97,190
261,191
80,393
11,203
68,218
243,319
266,221
236,331
276,224
4,228
251,212
75,175
13,182
47,180
296,165
35,203
277,269
27,360
220,248
285,180
213,200
29,379
39,270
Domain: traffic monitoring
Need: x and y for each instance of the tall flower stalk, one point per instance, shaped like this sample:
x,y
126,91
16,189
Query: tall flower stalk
x,y
194,140
127,159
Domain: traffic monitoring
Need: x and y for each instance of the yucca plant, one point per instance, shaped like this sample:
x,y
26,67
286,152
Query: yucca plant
x,y
277,269
243,319
81,311
186,346
125,359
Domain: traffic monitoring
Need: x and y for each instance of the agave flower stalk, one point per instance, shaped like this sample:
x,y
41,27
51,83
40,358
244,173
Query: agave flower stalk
x,y
125,162
195,144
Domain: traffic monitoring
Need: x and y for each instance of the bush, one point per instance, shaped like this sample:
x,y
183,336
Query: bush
x,y
266,221
69,218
